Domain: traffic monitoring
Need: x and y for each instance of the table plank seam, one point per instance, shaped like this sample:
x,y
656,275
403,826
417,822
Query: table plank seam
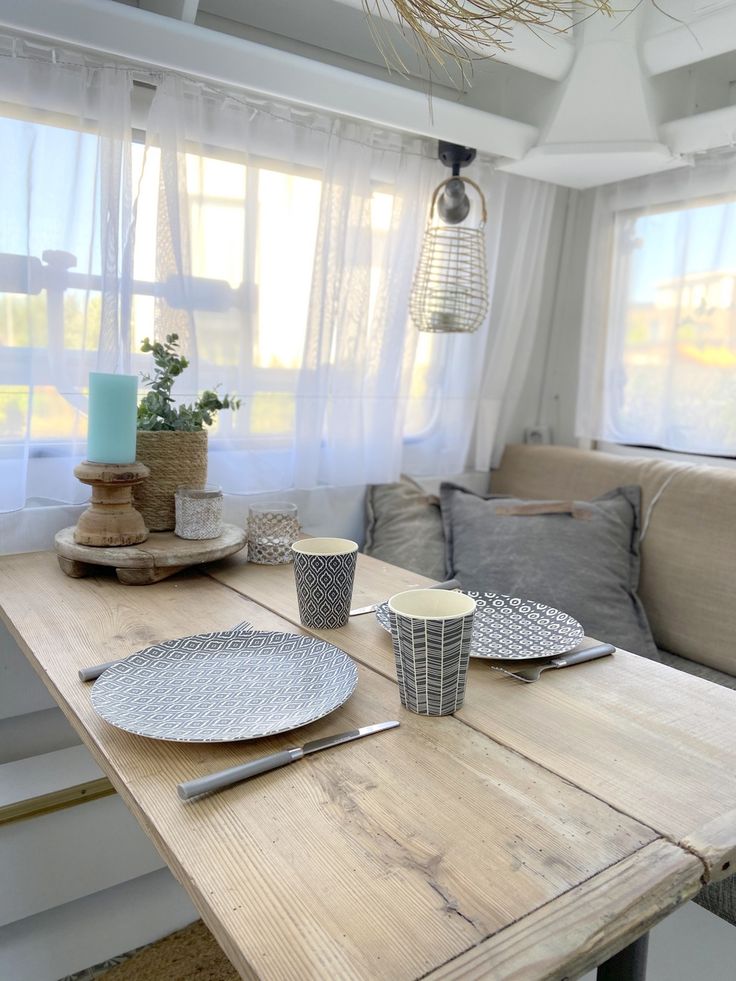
x,y
705,878
205,573
470,962
391,677
659,874
691,850
531,912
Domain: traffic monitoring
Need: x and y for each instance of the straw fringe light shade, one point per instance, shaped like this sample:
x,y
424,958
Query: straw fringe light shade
x,y
459,31
450,289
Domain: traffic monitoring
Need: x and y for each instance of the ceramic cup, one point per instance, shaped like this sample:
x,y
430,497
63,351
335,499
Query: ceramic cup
x,y
431,631
324,569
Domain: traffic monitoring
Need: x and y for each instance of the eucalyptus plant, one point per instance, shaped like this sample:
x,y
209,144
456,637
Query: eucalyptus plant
x,y
157,410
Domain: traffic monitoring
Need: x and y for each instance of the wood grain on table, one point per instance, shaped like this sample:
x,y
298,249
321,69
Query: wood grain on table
x,y
657,744
424,847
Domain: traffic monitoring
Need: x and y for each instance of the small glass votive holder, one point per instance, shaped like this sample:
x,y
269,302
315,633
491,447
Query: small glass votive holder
x,y
272,530
198,512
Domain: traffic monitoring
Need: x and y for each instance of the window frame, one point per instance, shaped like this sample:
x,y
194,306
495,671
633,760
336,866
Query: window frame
x,y
619,216
64,447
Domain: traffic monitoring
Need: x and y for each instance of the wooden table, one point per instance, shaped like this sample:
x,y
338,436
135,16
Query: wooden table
x,y
532,835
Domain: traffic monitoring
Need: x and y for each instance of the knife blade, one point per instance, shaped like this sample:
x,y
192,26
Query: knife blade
x,y
364,609
225,778
450,584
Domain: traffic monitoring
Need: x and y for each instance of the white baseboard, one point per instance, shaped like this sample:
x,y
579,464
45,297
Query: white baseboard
x,y
88,931
21,690
23,736
60,857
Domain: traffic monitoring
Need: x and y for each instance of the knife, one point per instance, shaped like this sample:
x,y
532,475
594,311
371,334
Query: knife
x,y
534,672
224,778
93,672
450,584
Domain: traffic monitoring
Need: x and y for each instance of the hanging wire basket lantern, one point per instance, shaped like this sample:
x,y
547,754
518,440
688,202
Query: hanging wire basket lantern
x,y
450,290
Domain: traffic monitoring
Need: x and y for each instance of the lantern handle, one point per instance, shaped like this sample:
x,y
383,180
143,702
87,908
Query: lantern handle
x,y
465,180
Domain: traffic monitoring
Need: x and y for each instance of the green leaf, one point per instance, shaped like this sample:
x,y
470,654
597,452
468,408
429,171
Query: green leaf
x,y
156,410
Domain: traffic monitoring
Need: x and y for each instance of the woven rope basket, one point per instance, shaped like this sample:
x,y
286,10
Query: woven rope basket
x,y
174,458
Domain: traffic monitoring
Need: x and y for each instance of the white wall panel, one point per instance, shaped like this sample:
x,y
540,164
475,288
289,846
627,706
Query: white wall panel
x,y
21,690
53,859
77,935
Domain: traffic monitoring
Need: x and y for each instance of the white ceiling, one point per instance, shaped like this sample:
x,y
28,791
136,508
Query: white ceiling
x,y
614,98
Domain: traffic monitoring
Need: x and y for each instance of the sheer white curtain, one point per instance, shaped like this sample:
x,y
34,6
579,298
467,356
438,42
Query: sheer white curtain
x,y
658,352
277,242
523,237
65,170
338,380
366,395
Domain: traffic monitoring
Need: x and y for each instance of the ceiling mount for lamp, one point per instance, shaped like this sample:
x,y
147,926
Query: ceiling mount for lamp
x,y
454,204
450,290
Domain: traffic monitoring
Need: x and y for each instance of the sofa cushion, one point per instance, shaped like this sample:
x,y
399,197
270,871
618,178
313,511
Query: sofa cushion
x,y
720,898
688,555
584,560
404,527
699,670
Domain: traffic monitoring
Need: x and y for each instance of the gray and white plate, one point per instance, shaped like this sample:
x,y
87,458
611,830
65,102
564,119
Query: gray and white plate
x,y
225,686
511,629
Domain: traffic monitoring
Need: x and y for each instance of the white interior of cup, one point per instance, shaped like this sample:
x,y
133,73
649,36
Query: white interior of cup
x,y
431,604
325,546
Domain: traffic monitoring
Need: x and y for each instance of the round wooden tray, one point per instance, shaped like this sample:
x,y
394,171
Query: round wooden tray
x,y
161,555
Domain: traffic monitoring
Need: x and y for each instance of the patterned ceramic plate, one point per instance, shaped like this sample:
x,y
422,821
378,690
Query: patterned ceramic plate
x,y
508,628
225,686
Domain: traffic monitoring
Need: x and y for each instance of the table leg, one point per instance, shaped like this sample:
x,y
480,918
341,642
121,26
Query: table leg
x,y
630,964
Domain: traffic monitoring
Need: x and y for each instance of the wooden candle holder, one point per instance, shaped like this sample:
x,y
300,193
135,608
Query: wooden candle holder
x,y
111,518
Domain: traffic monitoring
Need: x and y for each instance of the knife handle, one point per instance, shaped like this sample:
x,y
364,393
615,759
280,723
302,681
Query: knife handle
x,y
225,778
93,672
589,654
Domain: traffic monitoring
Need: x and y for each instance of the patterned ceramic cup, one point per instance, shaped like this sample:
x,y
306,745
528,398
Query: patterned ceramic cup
x,y
324,569
431,631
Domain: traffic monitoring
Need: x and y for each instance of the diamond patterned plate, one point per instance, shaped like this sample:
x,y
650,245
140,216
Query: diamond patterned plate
x,y
225,686
509,628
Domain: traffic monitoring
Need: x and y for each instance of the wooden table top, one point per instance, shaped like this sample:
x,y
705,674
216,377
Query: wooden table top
x,y
532,835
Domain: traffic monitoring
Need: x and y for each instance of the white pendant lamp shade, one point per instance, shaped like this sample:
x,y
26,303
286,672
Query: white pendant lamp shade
x,y
450,289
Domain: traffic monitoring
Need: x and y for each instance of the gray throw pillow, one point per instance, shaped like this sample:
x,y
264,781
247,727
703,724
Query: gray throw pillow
x,y
578,556
404,527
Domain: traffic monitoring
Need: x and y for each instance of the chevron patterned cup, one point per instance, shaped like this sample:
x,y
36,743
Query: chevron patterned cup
x,y
324,570
431,631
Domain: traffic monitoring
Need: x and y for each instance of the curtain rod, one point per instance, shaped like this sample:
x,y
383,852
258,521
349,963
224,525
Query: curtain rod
x,y
126,32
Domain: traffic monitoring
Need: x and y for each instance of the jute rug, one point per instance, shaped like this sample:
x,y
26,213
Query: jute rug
x,y
191,954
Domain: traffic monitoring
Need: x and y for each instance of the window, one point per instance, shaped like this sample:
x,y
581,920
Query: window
x,y
258,324
670,357
278,242
253,228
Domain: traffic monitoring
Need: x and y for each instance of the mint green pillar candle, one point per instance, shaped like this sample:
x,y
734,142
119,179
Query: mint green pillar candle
x,y
111,418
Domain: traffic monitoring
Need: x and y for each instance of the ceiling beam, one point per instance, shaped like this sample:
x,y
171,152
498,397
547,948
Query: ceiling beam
x,y
185,10
137,35
543,52
710,35
704,131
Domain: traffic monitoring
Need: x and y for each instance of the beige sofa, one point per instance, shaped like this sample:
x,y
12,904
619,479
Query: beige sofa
x,y
688,557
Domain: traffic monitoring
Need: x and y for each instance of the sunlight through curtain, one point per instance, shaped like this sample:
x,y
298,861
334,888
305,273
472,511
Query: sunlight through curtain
x,y
658,355
277,242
